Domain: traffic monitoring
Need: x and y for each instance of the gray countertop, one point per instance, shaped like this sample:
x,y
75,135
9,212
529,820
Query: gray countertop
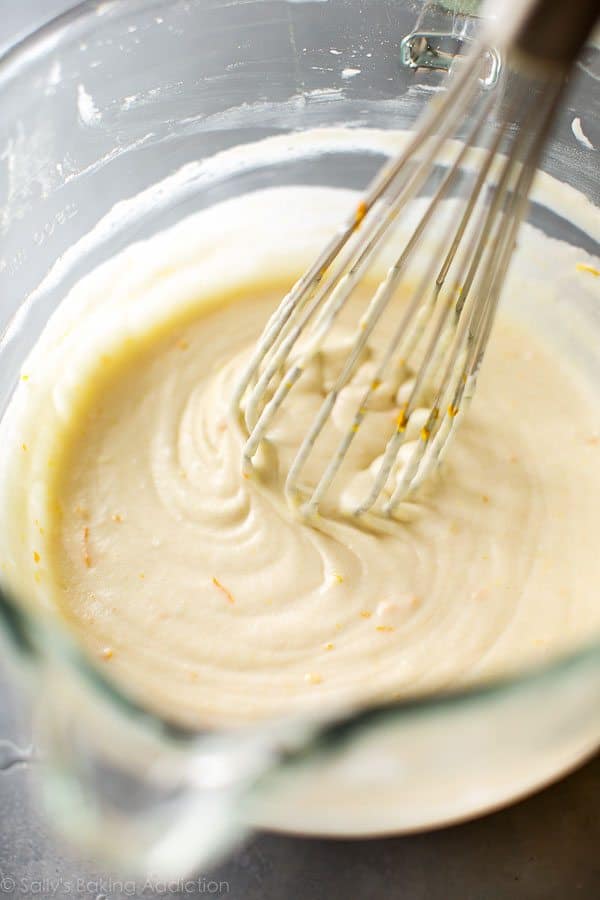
x,y
544,848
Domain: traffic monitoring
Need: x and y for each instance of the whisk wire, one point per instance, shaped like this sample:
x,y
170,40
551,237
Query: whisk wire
x,y
280,335
435,350
453,304
390,284
477,328
305,287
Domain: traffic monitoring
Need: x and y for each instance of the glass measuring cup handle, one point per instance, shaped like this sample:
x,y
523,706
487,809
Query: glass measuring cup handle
x,y
144,797
144,804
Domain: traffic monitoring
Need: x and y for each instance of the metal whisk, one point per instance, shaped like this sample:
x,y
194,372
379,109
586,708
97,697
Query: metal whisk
x,y
507,89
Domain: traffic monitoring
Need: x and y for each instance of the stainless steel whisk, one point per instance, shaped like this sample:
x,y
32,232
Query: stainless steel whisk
x,y
448,318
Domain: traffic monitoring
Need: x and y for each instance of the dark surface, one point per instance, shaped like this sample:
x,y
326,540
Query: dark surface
x,y
545,848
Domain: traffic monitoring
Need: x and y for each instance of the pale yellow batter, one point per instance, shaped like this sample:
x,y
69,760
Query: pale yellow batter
x,y
124,507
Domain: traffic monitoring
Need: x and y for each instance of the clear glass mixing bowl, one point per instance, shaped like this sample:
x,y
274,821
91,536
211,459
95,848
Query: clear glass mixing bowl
x,y
107,104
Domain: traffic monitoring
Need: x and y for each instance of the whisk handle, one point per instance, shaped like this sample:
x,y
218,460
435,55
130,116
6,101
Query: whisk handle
x,y
554,31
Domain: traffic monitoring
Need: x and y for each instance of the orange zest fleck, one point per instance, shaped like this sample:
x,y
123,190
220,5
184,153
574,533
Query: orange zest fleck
x,y
117,518
107,653
584,267
221,587
452,410
36,556
402,419
329,646
366,614
86,550
361,211
24,447
313,678
384,628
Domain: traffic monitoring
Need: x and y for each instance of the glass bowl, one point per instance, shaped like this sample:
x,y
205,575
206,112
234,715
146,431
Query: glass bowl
x,y
111,117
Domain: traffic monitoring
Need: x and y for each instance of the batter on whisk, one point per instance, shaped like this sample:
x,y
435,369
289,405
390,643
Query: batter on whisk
x,y
125,508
